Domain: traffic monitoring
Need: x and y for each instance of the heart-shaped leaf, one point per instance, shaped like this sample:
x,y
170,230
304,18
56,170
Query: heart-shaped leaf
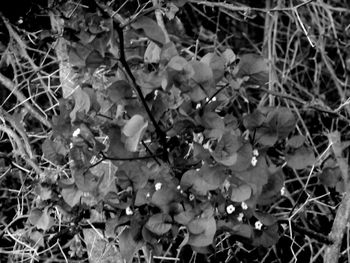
x,y
216,63
82,103
225,151
241,193
152,53
128,245
71,195
41,218
296,141
159,224
54,151
134,130
255,67
150,28
203,231
301,158
118,91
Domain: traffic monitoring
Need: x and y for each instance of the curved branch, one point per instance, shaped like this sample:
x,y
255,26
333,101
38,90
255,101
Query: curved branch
x,y
21,98
21,150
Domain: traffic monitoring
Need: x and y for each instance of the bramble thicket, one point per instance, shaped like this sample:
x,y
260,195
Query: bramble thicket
x,y
175,131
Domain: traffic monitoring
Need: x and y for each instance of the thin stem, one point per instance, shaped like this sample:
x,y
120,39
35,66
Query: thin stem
x,y
122,59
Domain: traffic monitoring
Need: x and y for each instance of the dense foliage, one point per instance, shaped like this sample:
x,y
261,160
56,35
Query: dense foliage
x,y
132,138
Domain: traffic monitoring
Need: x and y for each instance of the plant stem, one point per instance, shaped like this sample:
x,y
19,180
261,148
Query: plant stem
x,y
343,212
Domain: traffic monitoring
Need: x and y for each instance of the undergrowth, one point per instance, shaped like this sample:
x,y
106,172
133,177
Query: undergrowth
x,y
175,131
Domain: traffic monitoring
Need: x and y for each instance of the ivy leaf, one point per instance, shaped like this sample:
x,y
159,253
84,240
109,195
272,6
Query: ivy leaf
x,y
94,60
71,195
265,218
159,224
266,238
244,158
54,151
255,67
134,172
301,158
229,56
179,3
152,53
241,193
41,218
95,105
171,10
142,196
272,188
217,65
99,250
192,179
150,28
163,197
128,245
77,55
185,217
296,141
149,81
105,172
214,176
282,120
178,73
253,120
168,52
178,63
82,103
256,176
45,193
116,147
134,130
204,237
118,91
243,230
61,124
86,181
278,124
203,77
214,124
226,150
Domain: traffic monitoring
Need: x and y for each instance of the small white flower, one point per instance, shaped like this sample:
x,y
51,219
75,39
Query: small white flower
x,y
209,196
148,195
230,209
283,190
76,132
255,152
178,187
198,106
258,225
158,186
129,211
213,99
244,206
254,161
240,217
191,197
71,145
